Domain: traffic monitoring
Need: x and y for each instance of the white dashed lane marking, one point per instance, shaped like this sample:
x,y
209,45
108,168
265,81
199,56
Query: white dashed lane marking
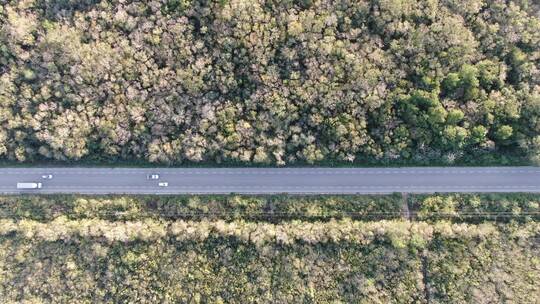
x,y
266,180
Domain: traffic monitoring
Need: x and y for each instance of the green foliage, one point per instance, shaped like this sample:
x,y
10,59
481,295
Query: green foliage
x,y
424,100
464,85
455,116
437,115
491,75
273,208
464,271
469,82
28,74
478,134
266,82
455,136
203,249
176,6
518,64
159,261
504,132
476,208
451,83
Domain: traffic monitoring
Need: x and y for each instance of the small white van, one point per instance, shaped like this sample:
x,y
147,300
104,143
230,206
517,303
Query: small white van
x,y
28,185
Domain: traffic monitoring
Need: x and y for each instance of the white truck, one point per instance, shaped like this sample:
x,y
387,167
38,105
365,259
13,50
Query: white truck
x,y
28,185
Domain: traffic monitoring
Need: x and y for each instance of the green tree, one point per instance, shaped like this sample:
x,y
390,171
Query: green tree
x,y
455,116
478,134
504,132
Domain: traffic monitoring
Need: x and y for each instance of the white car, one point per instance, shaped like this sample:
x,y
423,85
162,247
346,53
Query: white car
x,y
163,184
153,176
46,176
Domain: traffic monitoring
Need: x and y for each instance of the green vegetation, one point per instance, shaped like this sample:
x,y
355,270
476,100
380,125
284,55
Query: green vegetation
x,y
210,207
270,82
477,207
202,262
116,249
471,208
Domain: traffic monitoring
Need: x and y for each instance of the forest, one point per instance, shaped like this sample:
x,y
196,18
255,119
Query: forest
x,y
146,249
270,82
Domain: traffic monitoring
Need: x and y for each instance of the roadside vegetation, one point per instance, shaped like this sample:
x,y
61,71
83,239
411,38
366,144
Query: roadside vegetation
x,y
458,207
270,249
475,208
270,82
195,207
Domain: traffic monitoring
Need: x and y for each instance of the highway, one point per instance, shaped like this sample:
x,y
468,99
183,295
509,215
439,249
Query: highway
x,y
273,180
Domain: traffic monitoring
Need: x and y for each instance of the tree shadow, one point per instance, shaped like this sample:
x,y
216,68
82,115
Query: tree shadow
x,y
63,9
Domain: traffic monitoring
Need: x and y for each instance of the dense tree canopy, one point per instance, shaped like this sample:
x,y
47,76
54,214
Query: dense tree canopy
x,y
305,249
269,81
200,262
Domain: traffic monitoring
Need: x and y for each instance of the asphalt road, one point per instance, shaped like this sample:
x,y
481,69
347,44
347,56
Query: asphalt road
x,y
274,180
